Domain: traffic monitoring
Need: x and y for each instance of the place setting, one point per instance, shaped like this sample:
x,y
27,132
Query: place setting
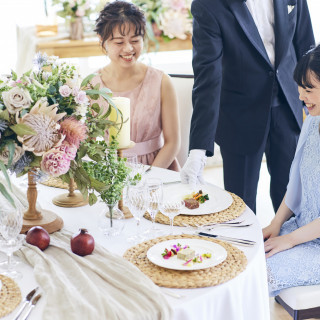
x,y
192,257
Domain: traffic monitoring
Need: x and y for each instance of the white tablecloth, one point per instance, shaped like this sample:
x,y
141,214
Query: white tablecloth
x,y
242,298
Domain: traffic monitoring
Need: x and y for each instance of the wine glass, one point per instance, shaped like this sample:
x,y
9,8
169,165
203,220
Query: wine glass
x,y
171,208
136,201
154,197
10,240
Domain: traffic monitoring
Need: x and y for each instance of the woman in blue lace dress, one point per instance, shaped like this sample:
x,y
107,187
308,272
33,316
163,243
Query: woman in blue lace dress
x,y
293,246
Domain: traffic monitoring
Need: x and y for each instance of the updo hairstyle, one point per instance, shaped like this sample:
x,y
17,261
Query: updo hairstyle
x,y
119,14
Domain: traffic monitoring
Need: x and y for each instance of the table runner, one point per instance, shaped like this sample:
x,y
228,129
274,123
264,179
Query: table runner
x,y
98,286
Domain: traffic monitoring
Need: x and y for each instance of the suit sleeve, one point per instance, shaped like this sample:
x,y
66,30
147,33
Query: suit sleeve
x,y
303,39
207,67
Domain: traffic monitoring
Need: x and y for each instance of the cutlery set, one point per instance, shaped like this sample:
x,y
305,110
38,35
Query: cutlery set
x,y
236,224
28,302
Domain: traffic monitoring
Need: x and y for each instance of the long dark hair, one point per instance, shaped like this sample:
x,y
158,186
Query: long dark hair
x,y
119,14
309,64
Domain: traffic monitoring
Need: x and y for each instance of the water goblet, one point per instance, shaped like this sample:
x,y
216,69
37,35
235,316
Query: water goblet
x,y
10,240
136,202
154,197
171,208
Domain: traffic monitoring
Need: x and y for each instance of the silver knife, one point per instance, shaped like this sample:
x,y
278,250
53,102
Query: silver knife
x,y
26,302
171,182
228,239
33,303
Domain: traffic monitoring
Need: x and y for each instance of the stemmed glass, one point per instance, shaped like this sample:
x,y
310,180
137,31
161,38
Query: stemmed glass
x,y
10,240
171,208
154,197
136,201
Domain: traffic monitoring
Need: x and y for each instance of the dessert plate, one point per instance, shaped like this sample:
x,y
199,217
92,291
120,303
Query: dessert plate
x,y
218,254
219,199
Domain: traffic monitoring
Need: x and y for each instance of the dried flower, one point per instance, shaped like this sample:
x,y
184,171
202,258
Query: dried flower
x,y
43,120
40,60
21,164
3,125
4,154
73,130
16,99
55,163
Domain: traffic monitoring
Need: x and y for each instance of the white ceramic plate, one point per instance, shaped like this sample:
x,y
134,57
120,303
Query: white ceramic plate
x,y
219,199
218,254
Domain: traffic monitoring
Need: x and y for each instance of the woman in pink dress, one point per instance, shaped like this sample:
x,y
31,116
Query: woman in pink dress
x,y
154,121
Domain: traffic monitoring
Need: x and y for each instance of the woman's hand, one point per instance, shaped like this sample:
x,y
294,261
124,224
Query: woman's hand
x,y
277,244
271,231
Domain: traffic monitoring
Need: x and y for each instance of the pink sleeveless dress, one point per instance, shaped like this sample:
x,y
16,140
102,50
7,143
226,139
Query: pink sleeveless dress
x,y
145,116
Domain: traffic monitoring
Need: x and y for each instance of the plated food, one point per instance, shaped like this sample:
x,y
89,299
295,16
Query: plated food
x,y
219,199
193,200
186,254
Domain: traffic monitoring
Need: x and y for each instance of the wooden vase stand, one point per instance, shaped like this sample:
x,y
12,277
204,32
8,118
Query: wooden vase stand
x,y
33,217
71,199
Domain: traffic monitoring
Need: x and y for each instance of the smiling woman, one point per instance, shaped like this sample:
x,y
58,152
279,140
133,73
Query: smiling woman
x,y
154,124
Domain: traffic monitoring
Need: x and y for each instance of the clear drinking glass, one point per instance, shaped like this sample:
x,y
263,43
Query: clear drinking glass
x,y
10,240
154,197
136,201
111,220
171,208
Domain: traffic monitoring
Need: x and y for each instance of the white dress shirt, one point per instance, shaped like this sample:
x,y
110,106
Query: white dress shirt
x,y
262,12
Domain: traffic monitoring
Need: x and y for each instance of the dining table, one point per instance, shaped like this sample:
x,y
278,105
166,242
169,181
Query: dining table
x,y
245,297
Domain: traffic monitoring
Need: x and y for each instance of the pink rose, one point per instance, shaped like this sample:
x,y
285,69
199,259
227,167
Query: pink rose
x,y
68,149
65,90
55,163
81,97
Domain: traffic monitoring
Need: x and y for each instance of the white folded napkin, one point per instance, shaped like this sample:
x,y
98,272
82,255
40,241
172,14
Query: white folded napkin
x,y
98,286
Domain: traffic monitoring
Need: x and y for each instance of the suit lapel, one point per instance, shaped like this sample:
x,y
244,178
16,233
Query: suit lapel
x,y
242,14
281,33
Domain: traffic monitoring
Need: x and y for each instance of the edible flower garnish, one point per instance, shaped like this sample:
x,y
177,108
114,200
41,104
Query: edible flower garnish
x,y
197,259
173,251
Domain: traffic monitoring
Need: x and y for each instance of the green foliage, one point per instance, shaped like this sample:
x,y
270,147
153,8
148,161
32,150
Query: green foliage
x,y
111,171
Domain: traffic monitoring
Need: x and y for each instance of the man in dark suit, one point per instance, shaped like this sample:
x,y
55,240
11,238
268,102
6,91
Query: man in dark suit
x,y
244,96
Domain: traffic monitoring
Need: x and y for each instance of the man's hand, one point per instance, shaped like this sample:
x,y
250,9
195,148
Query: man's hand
x,y
191,172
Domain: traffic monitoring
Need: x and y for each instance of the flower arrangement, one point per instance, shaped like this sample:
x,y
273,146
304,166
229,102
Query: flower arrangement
x,y
45,122
111,171
167,18
72,9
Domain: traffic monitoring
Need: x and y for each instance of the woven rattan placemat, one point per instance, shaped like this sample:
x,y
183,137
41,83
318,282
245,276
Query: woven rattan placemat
x,y
56,182
10,295
234,264
234,211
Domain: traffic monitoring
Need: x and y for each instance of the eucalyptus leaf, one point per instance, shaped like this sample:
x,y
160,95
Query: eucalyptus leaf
x,y
92,199
5,193
36,162
4,171
23,129
4,115
11,147
87,79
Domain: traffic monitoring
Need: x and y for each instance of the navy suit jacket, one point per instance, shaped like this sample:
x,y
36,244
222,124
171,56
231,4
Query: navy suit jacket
x,y
234,77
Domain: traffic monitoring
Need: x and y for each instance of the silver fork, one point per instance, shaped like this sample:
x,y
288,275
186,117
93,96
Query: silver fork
x,y
223,225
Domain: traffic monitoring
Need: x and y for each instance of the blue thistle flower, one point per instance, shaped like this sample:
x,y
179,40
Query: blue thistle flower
x,y
3,125
23,162
40,60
